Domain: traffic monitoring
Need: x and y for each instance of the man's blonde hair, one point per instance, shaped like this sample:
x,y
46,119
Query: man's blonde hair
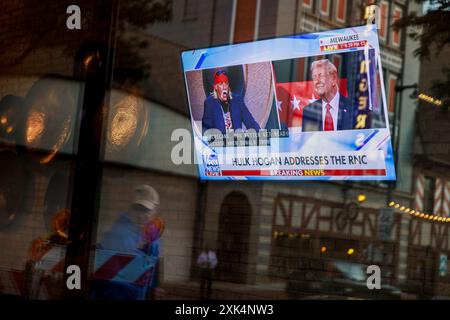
x,y
325,63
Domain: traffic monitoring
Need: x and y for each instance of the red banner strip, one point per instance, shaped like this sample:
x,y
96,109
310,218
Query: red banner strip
x,y
112,266
144,279
305,173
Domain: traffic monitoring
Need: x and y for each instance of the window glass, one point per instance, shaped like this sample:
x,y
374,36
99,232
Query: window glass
x,y
99,170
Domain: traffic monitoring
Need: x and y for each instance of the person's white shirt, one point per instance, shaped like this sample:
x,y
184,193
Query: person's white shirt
x,y
334,103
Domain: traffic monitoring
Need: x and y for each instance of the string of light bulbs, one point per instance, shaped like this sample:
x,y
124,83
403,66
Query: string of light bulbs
x,y
418,214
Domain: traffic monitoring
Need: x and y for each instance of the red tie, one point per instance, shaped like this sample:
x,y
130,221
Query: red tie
x,y
329,126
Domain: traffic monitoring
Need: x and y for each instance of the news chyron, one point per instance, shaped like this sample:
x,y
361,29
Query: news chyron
x,y
302,107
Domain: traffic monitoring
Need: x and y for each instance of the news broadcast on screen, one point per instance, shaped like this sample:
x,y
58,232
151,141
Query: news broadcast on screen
x,y
301,107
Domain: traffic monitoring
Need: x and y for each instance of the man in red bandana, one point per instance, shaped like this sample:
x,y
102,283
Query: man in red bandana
x,y
224,110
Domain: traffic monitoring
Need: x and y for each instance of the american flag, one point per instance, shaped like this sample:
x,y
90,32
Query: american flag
x,y
293,96
294,86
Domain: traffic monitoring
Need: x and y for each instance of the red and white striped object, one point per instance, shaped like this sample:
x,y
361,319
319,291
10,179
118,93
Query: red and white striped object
x,y
438,193
123,267
46,286
12,282
446,199
47,281
53,259
419,192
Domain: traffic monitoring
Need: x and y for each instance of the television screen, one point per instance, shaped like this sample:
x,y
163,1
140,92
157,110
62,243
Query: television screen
x,y
301,107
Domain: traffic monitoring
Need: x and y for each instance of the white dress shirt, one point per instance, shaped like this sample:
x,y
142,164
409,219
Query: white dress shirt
x,y
334,103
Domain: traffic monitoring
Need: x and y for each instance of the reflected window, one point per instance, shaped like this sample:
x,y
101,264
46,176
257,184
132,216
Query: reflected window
x,y
429,190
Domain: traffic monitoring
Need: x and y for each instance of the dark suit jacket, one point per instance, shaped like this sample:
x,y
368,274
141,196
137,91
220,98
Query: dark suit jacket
x,y
213,115
312,116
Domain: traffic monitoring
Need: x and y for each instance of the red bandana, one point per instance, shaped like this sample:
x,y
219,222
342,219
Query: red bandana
x,y
220,78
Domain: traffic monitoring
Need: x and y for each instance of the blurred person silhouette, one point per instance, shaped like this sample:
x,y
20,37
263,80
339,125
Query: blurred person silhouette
x,y
151,244
135,232
207,262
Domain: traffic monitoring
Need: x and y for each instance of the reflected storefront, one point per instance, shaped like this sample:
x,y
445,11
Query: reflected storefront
x,y
88,115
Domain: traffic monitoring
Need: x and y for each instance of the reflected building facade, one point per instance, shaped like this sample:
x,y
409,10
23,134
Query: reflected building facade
x,y
272,239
